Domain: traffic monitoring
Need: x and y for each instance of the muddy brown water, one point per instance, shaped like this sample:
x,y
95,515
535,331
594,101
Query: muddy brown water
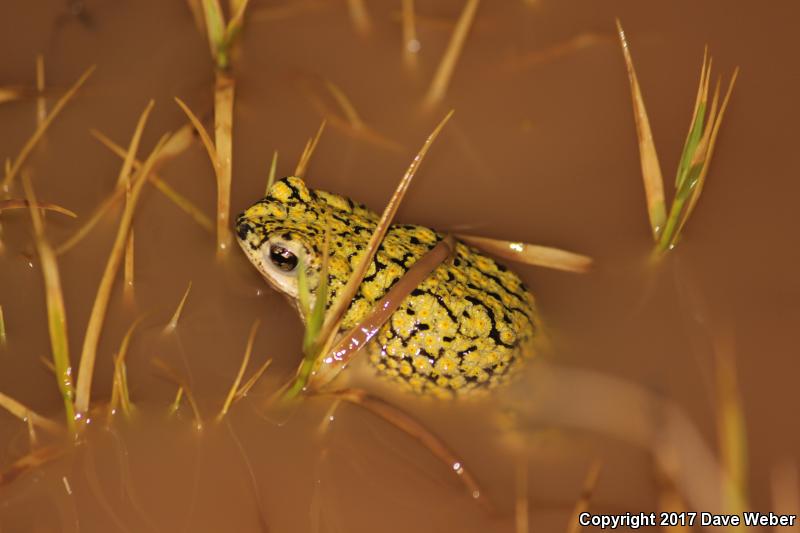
x,y
542,152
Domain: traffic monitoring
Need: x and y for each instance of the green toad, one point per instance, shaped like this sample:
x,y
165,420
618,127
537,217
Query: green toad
x,y
463,329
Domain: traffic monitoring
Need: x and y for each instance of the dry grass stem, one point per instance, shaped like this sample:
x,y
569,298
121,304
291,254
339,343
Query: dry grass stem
x,y
176,403
334,316
183,203
31,461
441,80
20,203
361,334
273,169
37,135
651,169
97,316
197,14
416,430
128,268
223,135
133,147
25,414
359,16
173,322
220,153
345,104
531,254
3,337
556,51
56,313
202,132
410,42
120,394
10,94
731,430
244,390
176,144
41,103
589,484
308,151
172,375
245,360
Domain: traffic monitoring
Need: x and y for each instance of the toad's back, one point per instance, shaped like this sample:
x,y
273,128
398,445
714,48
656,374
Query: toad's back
x,y
464,328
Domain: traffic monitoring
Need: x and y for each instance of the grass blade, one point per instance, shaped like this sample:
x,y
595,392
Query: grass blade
x,y
273,168
339,307
183,203
3,338
382,311
414,429
731,426
97,316
651,169
441,80
37,135
531,254
582,504
250,383
133,147
410,42
246,359
172,375
41,103
56,313
24,413
19,203
173,322
305,157
33,460
223,135
359,16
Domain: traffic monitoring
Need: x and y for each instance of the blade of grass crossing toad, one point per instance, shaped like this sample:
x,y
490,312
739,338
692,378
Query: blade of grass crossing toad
x,y
339,307
651,169
28,146
56,313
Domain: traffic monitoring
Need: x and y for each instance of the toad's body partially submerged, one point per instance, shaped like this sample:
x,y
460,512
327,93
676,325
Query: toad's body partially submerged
x,y
463,328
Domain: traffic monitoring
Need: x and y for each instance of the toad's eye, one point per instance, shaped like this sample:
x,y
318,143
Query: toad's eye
x,y
282,258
